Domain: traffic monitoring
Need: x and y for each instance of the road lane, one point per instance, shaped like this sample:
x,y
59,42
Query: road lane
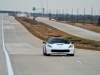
x,y
72,29
3,64
25,51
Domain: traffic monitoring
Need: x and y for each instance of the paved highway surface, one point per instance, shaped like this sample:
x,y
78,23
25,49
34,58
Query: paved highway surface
x,y
25,53
72,29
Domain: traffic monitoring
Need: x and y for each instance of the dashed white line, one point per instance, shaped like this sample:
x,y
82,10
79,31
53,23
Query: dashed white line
x,y
17,36
10,70
20,39
79,62
14,23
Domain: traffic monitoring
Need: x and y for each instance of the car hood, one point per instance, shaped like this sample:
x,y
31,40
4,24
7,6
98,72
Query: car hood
x,y
60,46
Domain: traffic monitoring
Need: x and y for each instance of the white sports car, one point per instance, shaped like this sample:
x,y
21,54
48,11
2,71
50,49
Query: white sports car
x,y
58,45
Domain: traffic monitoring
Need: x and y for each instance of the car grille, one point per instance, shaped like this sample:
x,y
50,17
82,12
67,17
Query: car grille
x,y
60,50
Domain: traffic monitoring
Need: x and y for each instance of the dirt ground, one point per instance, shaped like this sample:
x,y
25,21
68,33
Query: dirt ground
x,y
44,31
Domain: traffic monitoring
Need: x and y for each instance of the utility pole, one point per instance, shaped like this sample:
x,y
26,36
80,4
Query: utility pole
x,y
91,15
72,15
47,7
99,12
63,14
67,14
59,13
77,13
50,15
84,17
42,8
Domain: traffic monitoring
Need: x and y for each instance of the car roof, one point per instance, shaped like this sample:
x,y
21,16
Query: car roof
x,y
58,38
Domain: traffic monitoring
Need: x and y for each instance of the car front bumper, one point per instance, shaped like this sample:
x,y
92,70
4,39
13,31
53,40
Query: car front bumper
x,y
61,51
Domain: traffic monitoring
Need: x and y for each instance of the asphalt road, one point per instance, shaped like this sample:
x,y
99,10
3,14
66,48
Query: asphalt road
x,y
72,29
25,53
3,65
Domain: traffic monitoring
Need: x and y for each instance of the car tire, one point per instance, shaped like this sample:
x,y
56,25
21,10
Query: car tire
x,y
71,54
68,54
46,53
43,51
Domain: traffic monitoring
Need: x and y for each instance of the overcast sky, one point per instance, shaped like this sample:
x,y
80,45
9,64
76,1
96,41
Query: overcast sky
x,y
26,5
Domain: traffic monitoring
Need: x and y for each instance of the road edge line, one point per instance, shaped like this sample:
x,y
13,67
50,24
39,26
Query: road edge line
x,y
10,71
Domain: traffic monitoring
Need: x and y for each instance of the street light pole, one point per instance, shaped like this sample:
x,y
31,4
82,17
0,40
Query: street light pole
x,y
42,8
91,15
77,14
99,12
47,7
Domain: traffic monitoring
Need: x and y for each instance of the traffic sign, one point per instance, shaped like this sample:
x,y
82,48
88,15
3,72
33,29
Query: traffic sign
x,y
34,8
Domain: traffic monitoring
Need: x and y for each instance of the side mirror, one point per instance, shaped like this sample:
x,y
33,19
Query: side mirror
x,y
73,42
44,42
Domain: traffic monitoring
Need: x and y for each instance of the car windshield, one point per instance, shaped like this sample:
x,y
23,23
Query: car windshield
x,y
58,40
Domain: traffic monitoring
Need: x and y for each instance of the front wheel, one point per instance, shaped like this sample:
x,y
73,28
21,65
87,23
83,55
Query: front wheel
x,y
46,53
71,54
43,52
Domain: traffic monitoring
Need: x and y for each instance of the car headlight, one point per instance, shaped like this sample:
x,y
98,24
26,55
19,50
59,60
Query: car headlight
x,y
70,46
49,46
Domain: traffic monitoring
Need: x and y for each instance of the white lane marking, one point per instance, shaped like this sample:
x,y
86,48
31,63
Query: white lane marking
x,y
9,27
79,62
64,56
20,39
10,70
16,35
14,23
30,47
